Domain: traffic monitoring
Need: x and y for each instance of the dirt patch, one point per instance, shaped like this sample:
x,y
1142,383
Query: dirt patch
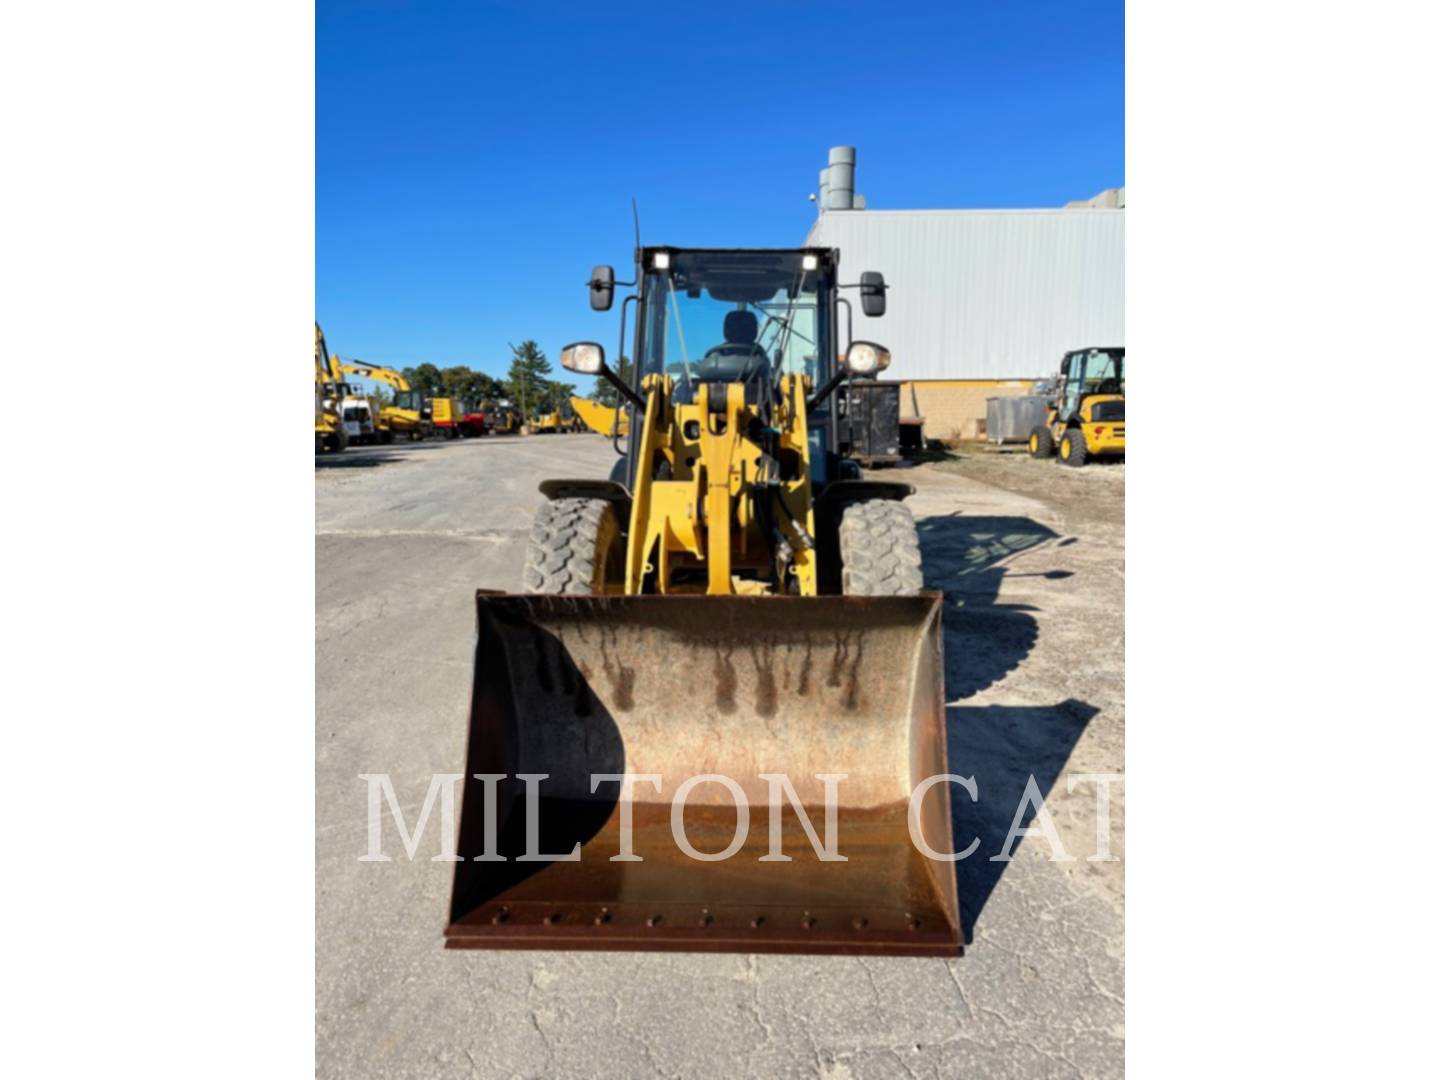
x,y
1093,495
1030,555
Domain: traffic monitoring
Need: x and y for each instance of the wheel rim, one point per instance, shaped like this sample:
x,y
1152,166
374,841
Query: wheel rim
x,y
1065,448
1034,443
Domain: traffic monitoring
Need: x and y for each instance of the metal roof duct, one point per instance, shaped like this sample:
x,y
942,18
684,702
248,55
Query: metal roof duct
x,y
840,187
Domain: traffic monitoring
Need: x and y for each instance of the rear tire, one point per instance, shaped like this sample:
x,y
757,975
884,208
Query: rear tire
x,y
879,550
1073,450
1042,443
575,548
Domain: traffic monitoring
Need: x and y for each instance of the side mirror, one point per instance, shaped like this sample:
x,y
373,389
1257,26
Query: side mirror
x,y
1065,368
602,288
867,358
584,357
872,293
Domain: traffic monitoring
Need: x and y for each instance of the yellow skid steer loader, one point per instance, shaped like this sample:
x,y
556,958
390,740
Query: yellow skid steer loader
x,y
714,720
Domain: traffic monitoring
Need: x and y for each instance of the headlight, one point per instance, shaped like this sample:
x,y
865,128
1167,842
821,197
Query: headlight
x,y
661,260
586,357
867,358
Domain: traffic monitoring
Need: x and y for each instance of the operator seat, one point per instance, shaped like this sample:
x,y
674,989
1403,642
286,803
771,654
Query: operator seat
x,y
739,359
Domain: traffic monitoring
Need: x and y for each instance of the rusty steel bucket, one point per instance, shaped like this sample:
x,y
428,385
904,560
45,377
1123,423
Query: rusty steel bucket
x,y
671,688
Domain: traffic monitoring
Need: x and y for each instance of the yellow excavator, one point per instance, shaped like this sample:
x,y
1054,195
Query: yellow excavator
x,y
404,416
714,718
601,418
329,431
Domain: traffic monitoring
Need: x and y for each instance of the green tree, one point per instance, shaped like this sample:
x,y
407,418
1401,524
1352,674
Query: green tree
x,y
527,382
483,387
557,396
456,381
425,378
606,394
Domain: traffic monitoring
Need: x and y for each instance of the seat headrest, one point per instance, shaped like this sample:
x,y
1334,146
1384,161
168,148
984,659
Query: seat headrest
x,y
741,327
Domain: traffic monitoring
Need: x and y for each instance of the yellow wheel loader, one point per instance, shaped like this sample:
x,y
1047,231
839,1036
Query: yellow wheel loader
x,y
1086,418
714,720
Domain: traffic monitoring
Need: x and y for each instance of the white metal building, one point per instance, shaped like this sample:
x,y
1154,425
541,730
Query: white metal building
x,y
982,295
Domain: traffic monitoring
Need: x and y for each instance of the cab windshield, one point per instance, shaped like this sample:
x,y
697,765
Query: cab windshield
x,y
746,317
1104,372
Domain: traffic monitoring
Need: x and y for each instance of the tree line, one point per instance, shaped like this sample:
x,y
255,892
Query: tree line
x,y
527,384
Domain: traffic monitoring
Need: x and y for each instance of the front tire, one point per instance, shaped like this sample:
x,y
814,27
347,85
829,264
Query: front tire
x,y
1073,450
879,550
1042,443
575,549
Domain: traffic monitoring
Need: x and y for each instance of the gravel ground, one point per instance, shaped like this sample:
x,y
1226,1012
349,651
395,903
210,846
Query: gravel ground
x,y
1030,556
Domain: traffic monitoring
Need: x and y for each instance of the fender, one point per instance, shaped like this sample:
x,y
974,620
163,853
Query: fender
x,y
615,494
844,491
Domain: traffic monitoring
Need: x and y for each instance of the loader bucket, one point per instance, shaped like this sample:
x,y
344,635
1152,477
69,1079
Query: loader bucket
x,y
737,691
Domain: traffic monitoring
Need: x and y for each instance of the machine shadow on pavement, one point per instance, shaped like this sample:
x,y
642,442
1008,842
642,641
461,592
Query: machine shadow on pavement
x,y
1000,746
370,457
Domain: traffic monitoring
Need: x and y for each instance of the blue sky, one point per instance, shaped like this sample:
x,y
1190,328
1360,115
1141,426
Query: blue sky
x,y
474,160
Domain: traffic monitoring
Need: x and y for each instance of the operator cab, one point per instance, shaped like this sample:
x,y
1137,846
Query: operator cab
x,y
1087,373
718,317
721,316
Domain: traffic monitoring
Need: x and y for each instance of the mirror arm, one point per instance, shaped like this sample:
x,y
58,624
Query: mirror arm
x,y
841,372
619,384
615,434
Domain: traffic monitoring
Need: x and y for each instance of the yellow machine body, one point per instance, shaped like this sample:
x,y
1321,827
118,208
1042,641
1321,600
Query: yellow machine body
x,y
401,418
601,418
445,417
1101,437
701,516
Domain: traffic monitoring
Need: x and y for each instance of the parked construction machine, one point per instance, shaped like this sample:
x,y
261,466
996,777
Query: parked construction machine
x,y
1086,416
329,430
445,414
601,418
505,418
403,417
561,420
720,654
